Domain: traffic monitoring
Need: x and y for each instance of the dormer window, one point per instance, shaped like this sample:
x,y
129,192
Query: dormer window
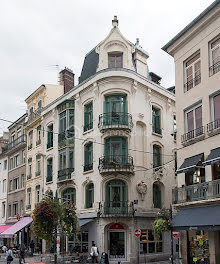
x,y
115,60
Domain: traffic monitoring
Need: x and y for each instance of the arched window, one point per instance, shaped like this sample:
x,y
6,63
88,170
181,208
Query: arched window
x,y
156,120
116,197
157,157
157,200
89,195
116,149
70,195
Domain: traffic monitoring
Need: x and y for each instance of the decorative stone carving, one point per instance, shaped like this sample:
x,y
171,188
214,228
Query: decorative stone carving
x,y
134,87
158,174
142,189
141,116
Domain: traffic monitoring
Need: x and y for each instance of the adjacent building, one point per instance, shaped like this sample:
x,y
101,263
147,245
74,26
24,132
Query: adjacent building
x,y
110,149
196,52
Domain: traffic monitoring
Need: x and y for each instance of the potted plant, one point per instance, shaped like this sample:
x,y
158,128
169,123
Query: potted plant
x,y
161,223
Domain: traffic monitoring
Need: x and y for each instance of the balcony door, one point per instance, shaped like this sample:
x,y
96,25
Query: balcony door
x,y
116,150
116,197
115,109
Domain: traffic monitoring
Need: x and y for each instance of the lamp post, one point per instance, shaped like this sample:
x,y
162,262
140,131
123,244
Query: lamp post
x,y
171,234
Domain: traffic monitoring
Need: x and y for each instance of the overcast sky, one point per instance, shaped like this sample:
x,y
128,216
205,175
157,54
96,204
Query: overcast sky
x,y
35,35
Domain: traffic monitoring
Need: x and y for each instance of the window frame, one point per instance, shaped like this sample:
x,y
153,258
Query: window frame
x,y
186,88
88,116
155,166
115,55
211,56
88,156
16,183
194,115
147,241
155,129
213,106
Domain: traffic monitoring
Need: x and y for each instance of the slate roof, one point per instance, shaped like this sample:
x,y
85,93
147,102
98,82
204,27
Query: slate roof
x,y
89,66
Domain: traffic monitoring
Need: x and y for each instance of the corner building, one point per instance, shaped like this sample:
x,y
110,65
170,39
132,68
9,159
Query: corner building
x,y
113,155
196,51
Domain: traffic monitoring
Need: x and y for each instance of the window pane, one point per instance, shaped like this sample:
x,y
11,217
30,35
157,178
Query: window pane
x,y
151,247
150,235
198,113
193,60
190,122
197,68
189,74
216,55
216,100
215,43
159,247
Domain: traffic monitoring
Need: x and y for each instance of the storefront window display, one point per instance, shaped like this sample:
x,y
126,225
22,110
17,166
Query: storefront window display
x,y
148,245
198,247
80,244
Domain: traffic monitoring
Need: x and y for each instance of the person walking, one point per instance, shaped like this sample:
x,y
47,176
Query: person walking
x,y
32,248
22,255
94,253
9,256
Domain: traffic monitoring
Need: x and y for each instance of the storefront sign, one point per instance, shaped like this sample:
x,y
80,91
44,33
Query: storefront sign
x,y
137,232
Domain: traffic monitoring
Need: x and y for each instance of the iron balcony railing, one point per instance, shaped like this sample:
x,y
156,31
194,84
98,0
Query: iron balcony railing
x,y
192,134
214,68
115,120
20,140
197,192
116,208
34,115
111,163
88,167
65,174
192,83
88,126
66,138
213,126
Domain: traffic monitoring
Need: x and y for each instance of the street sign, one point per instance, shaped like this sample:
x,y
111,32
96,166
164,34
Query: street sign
x,y
137,232
176,234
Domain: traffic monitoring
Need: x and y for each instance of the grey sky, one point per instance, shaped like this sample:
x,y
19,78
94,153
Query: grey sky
x,y
36,34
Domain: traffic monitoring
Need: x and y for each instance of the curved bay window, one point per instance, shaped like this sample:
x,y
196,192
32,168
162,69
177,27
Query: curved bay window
x,y
89,195
116,150
116,197
69,195
157,199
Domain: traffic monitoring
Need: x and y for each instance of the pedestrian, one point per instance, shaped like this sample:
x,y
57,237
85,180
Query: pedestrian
x,y
32,248
9,255
104,258
94,253
4,249
22,255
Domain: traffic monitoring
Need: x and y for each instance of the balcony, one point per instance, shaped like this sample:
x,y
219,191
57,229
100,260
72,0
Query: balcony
x,y
66,138
28,206
193,136
197,192
65,174
116,208
214,68
112,163
34,116
17,142
214,127
88,167
115,121
192,83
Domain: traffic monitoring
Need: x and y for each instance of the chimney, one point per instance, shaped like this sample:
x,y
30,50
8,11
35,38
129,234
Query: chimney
x,y
67,79
115,21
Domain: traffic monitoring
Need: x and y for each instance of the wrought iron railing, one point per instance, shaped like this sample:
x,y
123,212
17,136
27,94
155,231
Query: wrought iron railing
x,y
213,126
88,167
66,138
115,120
20,140
65,174
113,163
214,68
192,83
192,134
88,126
197,192
116,208
34,115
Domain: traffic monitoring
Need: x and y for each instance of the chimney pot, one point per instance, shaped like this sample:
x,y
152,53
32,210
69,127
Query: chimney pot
x,y
115,21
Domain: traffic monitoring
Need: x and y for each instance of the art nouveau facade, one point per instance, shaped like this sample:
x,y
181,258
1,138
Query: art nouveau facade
x,y
113,152
196,51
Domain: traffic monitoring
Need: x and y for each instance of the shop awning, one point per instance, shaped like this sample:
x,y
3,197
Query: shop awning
x,y
4,227
83,222
190,163
199,218
16,227
213,157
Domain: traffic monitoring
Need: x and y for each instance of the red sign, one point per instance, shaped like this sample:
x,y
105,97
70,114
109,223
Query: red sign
x,y
176,234
137,232
116,226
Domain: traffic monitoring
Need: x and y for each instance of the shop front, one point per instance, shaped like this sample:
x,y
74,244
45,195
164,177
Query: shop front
x,y
200,239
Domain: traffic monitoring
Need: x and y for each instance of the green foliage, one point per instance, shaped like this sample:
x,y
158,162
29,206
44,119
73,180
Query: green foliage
x,y
50,215
161,223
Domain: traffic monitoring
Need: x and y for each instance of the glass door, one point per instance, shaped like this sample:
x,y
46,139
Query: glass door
x,y
117,244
